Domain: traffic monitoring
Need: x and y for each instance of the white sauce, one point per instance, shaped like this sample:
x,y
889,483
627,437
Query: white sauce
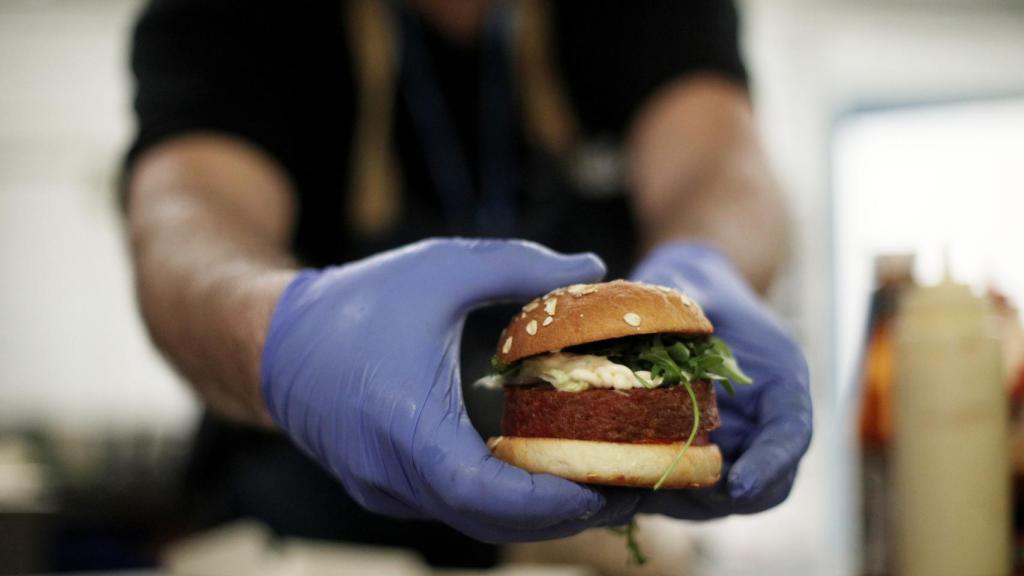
x,y
575,373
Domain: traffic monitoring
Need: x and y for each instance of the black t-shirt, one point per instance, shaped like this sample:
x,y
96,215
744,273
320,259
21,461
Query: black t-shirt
x,y
280,75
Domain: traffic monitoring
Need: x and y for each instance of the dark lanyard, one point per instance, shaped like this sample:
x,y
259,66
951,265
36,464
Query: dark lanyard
x,y
492,212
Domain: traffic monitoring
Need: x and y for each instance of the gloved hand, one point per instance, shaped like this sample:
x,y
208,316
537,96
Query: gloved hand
x,y
361,369
765,427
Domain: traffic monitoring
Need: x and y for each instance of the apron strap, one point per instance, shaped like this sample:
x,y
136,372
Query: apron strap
x,y
373,199
550,118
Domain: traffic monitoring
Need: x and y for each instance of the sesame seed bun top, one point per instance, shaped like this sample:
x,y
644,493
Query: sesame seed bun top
x,y
584,313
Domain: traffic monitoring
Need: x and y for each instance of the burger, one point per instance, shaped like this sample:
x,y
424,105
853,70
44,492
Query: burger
x,y
613,384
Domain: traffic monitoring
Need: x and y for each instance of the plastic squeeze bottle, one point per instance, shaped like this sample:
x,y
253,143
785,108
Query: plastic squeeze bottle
x,y
952,478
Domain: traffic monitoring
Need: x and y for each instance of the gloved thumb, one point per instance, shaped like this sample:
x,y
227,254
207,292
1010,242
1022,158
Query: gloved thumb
x,y
495,270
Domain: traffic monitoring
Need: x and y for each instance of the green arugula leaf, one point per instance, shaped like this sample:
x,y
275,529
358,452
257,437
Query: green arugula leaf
x,y
679,352
693,434
662,364
726,384
501,367
636,555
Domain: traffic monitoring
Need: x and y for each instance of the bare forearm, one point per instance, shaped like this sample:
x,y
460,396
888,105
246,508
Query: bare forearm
x,y
207,235
698,171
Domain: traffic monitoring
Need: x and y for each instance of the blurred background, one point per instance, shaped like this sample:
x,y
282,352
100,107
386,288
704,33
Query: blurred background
x,y
896,129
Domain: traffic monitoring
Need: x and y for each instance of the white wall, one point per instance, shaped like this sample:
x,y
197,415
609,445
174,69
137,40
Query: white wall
x,y
72,351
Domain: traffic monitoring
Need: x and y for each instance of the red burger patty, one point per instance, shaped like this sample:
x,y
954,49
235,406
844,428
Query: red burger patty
x,y
637,415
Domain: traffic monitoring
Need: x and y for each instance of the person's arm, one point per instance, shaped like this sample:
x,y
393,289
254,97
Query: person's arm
x,y
357,363
698,172
210,220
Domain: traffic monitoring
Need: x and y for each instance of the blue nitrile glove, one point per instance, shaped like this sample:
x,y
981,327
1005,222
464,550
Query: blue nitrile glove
x,y
766,427
361,369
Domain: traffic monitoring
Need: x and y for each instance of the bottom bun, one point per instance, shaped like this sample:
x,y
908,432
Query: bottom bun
x,y
611,463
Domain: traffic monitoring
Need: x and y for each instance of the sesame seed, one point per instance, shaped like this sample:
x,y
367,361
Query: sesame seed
x,y
578,290
548,321
686,301
550,305
531,328
507,346
632,318
531,305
